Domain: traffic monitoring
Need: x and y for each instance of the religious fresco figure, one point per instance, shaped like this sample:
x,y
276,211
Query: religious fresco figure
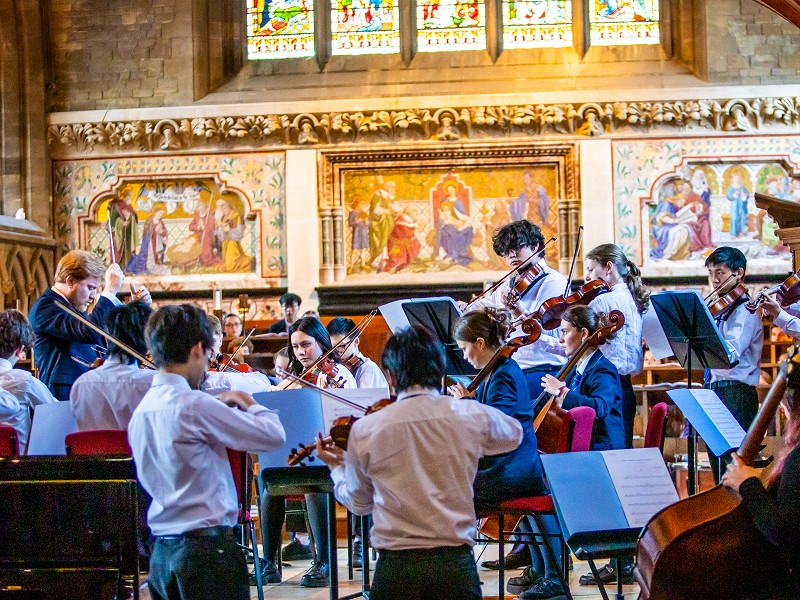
x,y
204,228
403,245
453,232
124,226
230,228
358,220
150,258
738,195
381,222
701,228
533,203
670,229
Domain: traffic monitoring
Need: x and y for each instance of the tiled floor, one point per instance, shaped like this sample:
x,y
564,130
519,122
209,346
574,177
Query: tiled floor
x,y
290,587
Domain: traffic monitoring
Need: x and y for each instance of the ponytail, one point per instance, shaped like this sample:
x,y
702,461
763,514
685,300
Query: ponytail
x,y
488,323
611,253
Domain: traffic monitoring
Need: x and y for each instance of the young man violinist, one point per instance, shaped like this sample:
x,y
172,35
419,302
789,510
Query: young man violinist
x,y
518,242
744,334
366,372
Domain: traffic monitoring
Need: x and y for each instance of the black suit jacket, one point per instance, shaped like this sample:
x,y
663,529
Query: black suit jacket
x,y
60,336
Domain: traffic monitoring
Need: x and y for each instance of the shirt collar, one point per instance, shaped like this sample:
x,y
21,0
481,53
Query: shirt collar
x,y
619,285
5,364
172,380
581,367
417,390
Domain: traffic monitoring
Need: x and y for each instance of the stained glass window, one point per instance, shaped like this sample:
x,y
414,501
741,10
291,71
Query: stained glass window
x,y
618,22
365,26
537,24
280,28
450,25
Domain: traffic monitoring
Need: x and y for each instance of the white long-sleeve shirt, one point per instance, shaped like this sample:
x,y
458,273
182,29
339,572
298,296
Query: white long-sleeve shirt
x,y
17,416
624,350
369,375
546,350
105,397
179,438
28,391
744,334
412,465
250,383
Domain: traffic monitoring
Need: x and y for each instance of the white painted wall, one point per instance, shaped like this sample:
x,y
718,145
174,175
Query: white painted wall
x,y
302,226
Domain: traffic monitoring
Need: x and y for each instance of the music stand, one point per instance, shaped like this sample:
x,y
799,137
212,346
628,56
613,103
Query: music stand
x,y
694,339
438,316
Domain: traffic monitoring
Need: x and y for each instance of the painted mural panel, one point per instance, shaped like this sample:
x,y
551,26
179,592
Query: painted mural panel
x,y
177,222
678,200
434,220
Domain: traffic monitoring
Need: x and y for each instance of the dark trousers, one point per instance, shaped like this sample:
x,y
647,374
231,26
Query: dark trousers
x,y
628,408
742,400
274,509
60,391
191,568
447,573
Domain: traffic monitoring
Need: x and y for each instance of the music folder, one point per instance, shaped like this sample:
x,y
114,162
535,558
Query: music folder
x,y
52,423
607,496
710,417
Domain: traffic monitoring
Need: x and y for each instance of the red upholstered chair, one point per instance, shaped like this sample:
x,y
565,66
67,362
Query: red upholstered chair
x,y
108,442
656,425
9,445
240,468
575,436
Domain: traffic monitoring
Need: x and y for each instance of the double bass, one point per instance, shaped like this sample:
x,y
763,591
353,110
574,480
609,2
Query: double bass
x,y
707,546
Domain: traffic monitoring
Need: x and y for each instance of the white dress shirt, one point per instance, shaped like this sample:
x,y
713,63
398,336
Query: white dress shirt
x,y
179,438
369,375
17,416
624,350
412,465
28,391
744,334
546,350
251,383
788,321
105,397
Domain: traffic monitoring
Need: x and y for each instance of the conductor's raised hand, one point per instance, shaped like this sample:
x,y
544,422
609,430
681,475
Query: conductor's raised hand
x,y
329,453
240,400
114,279
141,293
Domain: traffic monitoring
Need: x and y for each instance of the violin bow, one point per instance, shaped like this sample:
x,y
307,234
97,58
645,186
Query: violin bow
x,y
574,256
528,264
225,366
111,240
357,331
83,363
325,355
142,359
295,379
719,287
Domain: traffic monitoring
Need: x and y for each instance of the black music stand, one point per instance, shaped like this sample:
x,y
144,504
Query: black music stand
x,y
694,339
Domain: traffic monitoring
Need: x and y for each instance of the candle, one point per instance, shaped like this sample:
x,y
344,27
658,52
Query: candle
x,y
217,298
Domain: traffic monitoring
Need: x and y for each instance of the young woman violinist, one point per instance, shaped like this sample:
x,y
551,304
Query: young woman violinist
x,y
308,340
775,510
609,263
594,382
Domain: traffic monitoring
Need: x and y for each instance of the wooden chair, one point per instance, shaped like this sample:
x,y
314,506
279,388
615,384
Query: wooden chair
x,y
656,426
108,442
240,468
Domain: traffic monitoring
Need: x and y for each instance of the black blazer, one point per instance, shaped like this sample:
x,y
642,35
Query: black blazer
x,y
600,389
519,473
60,336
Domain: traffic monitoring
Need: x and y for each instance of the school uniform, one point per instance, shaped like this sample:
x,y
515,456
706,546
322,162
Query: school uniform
x,y
29,392
369,375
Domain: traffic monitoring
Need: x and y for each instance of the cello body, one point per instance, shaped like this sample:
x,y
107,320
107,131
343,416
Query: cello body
x,y
705,547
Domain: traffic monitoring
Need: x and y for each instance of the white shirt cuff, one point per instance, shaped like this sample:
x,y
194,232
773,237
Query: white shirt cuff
x,y
337,473
112,297
257,408
782,319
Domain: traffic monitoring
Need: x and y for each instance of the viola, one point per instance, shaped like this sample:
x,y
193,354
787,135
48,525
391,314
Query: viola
x,y
787,293
339,434
726,301
549,313
525,280
547,423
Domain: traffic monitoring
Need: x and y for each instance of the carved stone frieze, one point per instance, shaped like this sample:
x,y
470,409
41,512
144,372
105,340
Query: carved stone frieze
x,y
446,124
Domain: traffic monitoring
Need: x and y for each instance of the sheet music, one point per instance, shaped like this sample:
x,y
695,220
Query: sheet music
x,y
364,397
395,316
642,482
51,424
653,334
710,417
716,410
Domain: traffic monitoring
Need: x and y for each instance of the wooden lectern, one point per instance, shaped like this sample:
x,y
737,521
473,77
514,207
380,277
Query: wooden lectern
x,y
787,215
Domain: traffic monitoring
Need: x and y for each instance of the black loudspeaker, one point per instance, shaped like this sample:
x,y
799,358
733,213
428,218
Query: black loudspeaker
x,y
55,584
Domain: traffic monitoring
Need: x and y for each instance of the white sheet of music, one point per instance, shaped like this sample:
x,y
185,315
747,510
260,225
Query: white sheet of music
x,y
364,397
642,482
719,414
653,334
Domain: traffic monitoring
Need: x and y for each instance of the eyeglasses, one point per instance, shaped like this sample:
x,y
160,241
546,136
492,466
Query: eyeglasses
x,y
210,354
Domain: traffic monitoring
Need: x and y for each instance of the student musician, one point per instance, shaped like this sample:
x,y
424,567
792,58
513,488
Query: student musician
x,y
220,379
517,242
593,382
308,340
412,466
179,436
60,336
786,319
105,397
609,263
744,334
15,336
775,510
366,372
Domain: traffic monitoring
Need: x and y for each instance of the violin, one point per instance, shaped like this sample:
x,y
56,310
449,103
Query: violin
x,y
525,280
339,434
726,301
225,362
547,423
353,364
550,312
311,375
787,293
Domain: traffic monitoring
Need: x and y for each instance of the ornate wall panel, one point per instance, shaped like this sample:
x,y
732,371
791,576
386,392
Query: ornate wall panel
x,y
678,199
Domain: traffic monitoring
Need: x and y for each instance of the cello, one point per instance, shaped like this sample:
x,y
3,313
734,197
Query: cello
x,y
547,423
701,546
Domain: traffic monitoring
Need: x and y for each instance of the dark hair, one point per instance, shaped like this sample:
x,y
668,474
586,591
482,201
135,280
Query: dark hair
x,y
341,326
584,317
611,253
172,332
314,328
733,258
15,332
486,324
516,235
232,315
413,357
791,436
127,323
290,298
